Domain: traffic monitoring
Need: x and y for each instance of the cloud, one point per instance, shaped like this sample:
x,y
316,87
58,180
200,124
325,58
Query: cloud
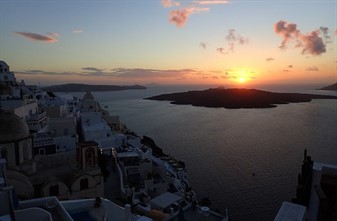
x,y
290,66
150,73
211,2
77,31
179,17
169,3
92,69
36,37
232,39
285,70
221,50
34,71
41,72
311,43
236,74
203,45
325,31
53,34
269,59
313,68
134,74
336,32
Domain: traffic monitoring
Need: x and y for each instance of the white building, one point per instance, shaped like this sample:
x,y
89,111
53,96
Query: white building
x,y
6,76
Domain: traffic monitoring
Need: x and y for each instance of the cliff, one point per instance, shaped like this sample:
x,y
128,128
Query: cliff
x,y
332,87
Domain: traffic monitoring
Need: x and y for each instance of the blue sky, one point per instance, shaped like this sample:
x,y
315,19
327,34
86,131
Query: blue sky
x,y
176,42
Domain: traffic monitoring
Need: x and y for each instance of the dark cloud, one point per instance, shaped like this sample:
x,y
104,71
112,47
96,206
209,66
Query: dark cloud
x,y
36,37
285,70
203,45
313,68
221,50
290,66
269,59
326,36
92,69
232,38
134,73
311,43
33,72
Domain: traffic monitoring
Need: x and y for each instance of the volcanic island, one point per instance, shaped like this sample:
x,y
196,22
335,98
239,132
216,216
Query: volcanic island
x,y
235,98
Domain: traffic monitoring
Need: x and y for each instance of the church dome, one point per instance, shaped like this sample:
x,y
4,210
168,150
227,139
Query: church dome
x,y
3,67
12,127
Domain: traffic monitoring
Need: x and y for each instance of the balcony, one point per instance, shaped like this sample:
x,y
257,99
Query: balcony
x,y
37,116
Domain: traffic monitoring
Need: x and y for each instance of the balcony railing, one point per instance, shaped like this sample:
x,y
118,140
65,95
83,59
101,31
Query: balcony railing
x,y
37,116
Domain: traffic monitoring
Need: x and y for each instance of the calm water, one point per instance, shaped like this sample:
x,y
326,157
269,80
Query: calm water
x,y
222,148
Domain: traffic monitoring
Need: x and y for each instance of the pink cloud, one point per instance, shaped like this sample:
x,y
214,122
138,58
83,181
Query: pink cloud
x,y
169,3
311,43
36,37
269,59
179,17
214,2
53,34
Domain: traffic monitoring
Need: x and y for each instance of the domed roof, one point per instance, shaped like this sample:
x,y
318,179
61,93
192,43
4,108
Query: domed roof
x,y
12,127
4,65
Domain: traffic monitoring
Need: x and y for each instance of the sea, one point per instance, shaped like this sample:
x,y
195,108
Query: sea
x,y
243,160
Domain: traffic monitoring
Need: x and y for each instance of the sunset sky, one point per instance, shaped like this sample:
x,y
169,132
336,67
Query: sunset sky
x,y
170,42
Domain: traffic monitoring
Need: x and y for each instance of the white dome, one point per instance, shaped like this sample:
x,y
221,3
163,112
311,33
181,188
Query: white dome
x,y
3,67
12,127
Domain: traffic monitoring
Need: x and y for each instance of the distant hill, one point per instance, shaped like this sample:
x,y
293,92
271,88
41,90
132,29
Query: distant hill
x,y
89,87
332,87
237,98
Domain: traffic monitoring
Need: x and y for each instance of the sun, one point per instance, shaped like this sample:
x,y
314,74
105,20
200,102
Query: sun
x,y
242,76
242,79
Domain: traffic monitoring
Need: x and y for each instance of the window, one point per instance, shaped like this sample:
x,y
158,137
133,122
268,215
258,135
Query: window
x,y
65,131
25,152
42,151
4,154
90,158
84,184
54,190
